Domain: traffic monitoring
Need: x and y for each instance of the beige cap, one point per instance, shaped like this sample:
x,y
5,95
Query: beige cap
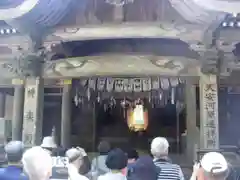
x,y
74,153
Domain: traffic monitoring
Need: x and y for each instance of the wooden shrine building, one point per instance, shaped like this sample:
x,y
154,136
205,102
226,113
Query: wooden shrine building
x,y
72,67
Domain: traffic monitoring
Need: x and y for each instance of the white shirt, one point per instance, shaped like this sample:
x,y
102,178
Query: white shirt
x,y
73,173
99,163
112,176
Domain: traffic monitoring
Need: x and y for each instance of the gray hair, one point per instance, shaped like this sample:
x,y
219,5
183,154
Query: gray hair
x,y
159,147
37,163
14,151
74,154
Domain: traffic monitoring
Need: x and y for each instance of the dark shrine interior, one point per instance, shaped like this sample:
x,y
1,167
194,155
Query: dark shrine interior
x,y
112,126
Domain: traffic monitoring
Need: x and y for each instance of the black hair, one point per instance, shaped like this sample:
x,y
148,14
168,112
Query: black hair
x,y
132,154
116,159
144,168
104,147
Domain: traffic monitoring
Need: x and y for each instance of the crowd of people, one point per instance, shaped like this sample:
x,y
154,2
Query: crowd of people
x,y
38,163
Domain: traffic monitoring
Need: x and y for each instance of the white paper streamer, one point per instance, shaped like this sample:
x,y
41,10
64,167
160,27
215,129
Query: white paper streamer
x,y
174,82
173,95
119,85
146,84
110,84
155,83
164,83
101,84
128,85
137,85
92,83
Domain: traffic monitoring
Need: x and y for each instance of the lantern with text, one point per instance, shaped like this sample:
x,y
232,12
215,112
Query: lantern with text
x,y
137,117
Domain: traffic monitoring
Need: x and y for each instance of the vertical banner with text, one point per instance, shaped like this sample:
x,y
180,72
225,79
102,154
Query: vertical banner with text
x,y
209,112
31,111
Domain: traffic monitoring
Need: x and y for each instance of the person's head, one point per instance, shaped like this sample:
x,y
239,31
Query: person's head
x,y
132,155
116,160
214,166
48,143
14,151
143,169
104,147
37,163
159,147
75,156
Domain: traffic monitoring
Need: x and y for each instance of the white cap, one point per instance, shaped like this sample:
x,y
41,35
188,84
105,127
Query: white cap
x,y
48,142
159,146
214,162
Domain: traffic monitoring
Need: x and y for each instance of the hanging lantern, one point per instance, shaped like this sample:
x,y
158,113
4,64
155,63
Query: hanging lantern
x,y
137,117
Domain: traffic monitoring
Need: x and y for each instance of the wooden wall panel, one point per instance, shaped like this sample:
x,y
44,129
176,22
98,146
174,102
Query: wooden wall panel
x,y
98,12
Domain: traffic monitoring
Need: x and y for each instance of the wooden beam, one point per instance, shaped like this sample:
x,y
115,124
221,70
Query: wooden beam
x,y
130,30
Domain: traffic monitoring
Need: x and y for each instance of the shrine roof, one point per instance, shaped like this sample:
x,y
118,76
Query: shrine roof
x,y
104,22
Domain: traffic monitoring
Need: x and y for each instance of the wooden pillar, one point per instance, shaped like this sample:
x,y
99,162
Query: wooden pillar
x,y
94,134
66,116
2,104
18,105
192,138
2,117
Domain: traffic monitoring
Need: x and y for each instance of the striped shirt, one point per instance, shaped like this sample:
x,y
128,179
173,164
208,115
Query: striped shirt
x,y
168,171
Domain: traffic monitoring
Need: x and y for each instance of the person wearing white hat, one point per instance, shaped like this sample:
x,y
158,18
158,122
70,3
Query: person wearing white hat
x,y
48,143
159,150
59,161
213,166
76,161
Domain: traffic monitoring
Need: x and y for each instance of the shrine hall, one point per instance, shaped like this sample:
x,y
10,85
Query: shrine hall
x,y
124,71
